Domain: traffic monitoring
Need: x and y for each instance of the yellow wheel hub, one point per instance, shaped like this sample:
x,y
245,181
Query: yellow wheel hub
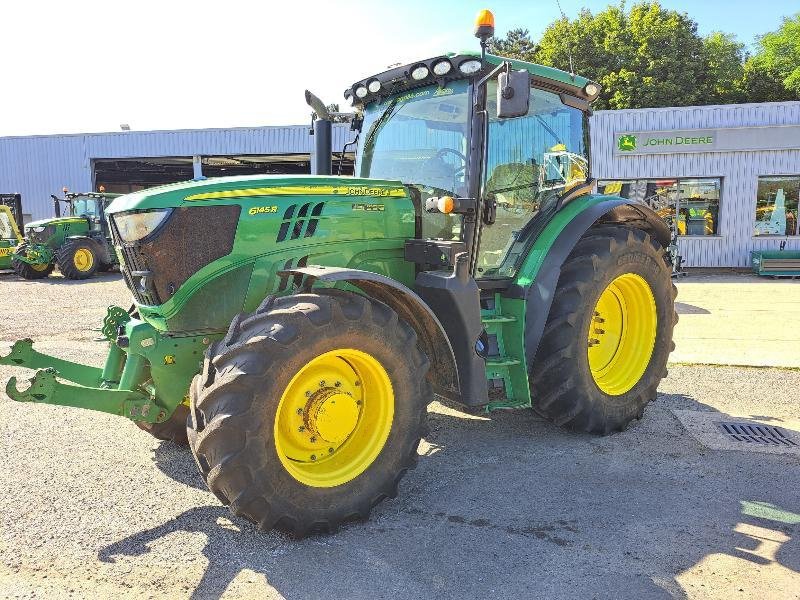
x,y
83,259
39,268
334,417
622,334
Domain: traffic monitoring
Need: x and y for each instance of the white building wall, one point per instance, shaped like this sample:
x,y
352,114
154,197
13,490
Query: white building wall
x,y
37,166
739,170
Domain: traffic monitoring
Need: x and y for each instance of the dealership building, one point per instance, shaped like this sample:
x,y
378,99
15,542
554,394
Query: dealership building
x,y
727,177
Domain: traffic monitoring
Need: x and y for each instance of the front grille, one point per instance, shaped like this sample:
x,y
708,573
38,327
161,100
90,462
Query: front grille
x,y
191,238
41,237
133,261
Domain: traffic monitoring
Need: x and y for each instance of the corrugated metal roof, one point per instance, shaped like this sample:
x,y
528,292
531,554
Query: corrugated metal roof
x,y
37,166
739,170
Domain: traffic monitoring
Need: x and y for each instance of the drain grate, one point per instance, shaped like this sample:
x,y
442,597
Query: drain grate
x,y
753,433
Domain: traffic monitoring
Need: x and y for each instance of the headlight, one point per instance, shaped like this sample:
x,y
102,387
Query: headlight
x,y
361,91
442,67
374,86
468,67
38,229
419,72
136,225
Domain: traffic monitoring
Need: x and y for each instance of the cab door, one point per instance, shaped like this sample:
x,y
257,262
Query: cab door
x,y
531,160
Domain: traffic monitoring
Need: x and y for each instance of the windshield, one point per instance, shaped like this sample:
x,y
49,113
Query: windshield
x,y
84,207
419,138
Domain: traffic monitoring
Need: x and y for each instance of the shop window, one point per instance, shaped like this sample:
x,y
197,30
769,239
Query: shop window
x,y
691,203
776,206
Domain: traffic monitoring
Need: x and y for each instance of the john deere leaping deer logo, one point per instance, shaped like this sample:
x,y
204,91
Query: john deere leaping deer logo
x,y
626,143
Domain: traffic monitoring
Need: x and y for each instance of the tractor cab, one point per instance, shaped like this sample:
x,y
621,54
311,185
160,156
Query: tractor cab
x,y
506,138
86,205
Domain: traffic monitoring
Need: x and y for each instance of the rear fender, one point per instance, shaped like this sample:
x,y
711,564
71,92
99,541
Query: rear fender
x,y
433,340
538,294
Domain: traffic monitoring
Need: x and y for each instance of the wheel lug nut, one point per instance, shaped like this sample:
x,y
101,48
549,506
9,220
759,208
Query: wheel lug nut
x,y
313,439
600,331
338,384
313,457
356,383
301,429
322,383
330,450
299,411
308,394
358,402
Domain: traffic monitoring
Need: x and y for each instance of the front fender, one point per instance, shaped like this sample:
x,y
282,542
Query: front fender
x,y
443,373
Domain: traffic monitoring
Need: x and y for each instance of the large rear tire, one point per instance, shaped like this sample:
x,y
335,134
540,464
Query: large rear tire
x,y
26,270
77,259
605,346
310,411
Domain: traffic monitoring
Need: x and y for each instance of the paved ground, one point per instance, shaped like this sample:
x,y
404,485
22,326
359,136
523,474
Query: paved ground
x,y
738,319
506,507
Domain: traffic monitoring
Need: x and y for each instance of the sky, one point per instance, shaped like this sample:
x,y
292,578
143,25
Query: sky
x,y
85,65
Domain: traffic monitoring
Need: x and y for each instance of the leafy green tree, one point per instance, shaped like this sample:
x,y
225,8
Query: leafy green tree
x,y
725,59
773,72
517,44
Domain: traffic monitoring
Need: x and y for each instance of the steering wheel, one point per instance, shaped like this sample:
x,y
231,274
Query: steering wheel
x,y
441,153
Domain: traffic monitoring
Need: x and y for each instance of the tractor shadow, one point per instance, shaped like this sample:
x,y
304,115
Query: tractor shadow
x,y
511,506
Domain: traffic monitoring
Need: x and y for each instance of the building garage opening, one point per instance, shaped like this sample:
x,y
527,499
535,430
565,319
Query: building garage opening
x,y
125,175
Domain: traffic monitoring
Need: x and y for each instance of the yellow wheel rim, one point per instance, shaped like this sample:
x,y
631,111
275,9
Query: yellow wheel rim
x,y
334,417
622,334
39,268
83,259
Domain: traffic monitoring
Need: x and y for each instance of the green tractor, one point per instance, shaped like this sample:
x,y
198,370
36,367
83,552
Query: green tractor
x,y
10,237
293,329
78,243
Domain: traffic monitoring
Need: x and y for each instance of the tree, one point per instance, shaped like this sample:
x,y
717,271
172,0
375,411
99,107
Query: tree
x,y
773,72
517,44
725,59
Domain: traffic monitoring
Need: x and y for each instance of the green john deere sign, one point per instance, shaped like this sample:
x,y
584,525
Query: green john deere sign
x,y
725,139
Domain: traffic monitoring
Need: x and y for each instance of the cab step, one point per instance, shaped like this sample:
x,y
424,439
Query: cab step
x,y
502,361
498,319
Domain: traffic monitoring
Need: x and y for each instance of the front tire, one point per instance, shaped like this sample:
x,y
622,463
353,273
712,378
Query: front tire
x,y
77,259
310,411
171,430
27,270
605,346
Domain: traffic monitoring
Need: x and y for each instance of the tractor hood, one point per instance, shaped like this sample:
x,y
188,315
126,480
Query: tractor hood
x,y
253,187
54,221
188,251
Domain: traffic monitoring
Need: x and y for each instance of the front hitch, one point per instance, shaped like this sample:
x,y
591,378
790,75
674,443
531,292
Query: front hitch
x,y
23,355
44,388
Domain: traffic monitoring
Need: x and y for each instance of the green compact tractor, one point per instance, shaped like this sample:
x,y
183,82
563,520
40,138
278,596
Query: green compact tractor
x,y
79,243
10,237
295,328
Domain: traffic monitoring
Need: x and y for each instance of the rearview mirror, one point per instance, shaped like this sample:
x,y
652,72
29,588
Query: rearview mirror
x,y
513,94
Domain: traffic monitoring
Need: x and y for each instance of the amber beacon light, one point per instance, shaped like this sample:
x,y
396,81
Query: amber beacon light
x,y
484,25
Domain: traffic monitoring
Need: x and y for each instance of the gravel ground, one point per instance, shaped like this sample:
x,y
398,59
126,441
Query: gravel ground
x,y
506,507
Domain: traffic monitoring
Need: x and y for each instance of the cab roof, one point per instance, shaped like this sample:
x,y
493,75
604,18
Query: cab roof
x,y
399,78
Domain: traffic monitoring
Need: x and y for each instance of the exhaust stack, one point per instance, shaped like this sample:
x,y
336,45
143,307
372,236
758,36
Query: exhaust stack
x,y
321,157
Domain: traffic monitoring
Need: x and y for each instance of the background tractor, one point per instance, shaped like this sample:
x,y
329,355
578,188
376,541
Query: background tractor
x,y
78,243
10,219
293,329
